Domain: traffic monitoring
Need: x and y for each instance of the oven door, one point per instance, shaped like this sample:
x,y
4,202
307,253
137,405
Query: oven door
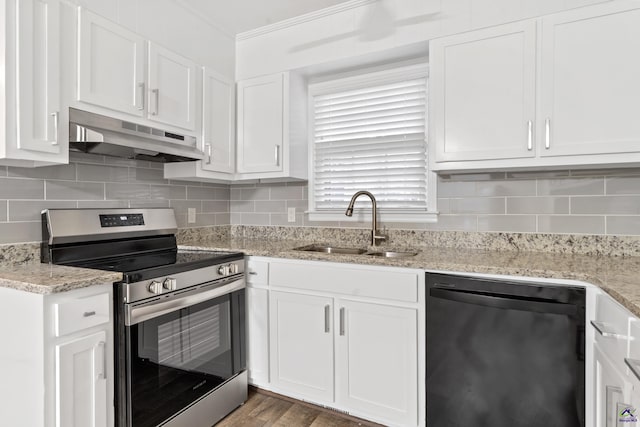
x,y
178,348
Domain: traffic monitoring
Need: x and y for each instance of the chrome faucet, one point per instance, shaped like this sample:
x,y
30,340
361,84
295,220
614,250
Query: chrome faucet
x,y
375,237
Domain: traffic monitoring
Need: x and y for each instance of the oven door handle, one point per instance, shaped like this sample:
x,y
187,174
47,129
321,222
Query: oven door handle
x,y
134,314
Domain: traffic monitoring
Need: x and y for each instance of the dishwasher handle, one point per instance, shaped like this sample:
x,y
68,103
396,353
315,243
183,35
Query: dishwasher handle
x,y
503,301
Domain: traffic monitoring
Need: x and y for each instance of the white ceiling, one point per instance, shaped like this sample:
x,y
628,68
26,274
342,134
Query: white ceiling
x,y
237,16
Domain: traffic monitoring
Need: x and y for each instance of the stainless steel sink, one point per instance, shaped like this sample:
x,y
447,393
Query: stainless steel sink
x,y
331,250
393,254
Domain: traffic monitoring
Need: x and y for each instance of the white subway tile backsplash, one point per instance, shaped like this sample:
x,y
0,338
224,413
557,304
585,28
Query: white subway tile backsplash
x,y
623,225
537,205
477,205
571,224
29,210
20,232
3,210
100,173
200,193
71,190
59,172
623,185
606,205
506,188
512,223
571,186
21,189
271,206
286,193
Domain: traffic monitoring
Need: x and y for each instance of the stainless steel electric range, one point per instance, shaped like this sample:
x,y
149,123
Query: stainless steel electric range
x,y
179,315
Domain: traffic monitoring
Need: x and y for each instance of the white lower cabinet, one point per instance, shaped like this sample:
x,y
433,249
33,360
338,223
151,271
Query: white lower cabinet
x,y
258,335
81,382
347,337
54,375
611,390
302,344
377,360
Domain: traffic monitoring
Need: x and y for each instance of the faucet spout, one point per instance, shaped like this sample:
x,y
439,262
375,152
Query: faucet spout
x,y
375,237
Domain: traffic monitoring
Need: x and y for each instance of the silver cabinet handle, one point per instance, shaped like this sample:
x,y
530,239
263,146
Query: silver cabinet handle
x,y
103,351
342,321
634,365
55,116
89,313
530,135
156,95
606,331
327,319
277,155
547,133
208,148
253,273
141,95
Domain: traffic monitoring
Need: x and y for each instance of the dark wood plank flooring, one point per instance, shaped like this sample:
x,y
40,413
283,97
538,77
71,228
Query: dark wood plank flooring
x,y
264,408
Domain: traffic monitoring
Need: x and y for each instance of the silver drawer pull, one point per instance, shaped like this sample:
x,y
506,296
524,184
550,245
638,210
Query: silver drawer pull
x,y
634,365
606,331
89,313
327,318
253,273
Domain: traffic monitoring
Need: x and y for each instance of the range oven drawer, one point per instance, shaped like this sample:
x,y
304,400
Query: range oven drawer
x,y
81,313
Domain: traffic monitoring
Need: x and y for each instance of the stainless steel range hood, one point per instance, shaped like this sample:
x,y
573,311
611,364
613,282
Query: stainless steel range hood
x,y
97,134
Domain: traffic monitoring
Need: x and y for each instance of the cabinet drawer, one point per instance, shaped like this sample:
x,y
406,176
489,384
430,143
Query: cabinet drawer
x,y
81,313
371,282
257,272
611,324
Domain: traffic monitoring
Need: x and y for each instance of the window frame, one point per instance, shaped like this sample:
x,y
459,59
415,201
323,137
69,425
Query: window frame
x,y
367,78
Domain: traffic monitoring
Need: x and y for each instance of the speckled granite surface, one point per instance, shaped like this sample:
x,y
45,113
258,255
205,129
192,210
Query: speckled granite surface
x,y
611,262
618,276
48,279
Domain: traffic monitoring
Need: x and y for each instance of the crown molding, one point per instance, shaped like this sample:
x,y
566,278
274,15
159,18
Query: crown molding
x,y
331,10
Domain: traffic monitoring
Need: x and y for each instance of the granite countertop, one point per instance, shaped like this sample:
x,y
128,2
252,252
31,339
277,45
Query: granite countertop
x,y
40,278
618,276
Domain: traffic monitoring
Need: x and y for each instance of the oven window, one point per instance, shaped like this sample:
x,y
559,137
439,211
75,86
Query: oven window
x,y
179,357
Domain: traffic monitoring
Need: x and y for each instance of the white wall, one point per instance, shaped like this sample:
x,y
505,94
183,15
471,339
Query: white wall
x,y
363,30
169,24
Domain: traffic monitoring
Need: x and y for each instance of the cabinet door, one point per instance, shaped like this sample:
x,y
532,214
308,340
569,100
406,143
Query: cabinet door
x,y
611,390
262,111
589,81
377,361
172,90
81,384
110,65
38,76
483,93
217,123
258,335
301,333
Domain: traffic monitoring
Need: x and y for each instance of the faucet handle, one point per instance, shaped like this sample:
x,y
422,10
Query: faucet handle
x,y
377,238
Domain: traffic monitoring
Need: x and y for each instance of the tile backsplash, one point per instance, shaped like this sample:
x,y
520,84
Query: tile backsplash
x,y
604,202
90,181
600,202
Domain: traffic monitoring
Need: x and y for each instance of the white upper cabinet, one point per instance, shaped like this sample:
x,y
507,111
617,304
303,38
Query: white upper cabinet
x,y
172,88
483,86
218,122
271,127
32,132
262,120
111,65
119,70
508,98
589,81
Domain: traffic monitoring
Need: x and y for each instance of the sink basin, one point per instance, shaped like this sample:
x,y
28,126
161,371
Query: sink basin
x,y
331,250
392,254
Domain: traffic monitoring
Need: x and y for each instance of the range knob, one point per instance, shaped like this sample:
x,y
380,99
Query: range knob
x,y
233,268
170,284
223,270
155,287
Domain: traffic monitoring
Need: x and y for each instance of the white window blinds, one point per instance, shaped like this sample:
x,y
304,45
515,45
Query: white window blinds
x,y
371,137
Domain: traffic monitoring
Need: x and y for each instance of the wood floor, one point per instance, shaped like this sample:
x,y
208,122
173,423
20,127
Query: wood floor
x,y
268,409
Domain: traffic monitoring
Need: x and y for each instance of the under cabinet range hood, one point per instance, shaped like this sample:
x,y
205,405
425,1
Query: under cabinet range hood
x,y
97,134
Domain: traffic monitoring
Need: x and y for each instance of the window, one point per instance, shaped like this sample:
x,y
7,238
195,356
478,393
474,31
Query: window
x,y
369,133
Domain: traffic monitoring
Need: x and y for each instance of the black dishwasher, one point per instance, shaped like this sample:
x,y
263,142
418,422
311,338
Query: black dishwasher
x,y
504,353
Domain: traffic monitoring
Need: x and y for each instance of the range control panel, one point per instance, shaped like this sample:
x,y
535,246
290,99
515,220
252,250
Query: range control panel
x,y
121,220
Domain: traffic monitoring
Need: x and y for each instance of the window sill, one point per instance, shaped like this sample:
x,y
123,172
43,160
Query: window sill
x,y
383,217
